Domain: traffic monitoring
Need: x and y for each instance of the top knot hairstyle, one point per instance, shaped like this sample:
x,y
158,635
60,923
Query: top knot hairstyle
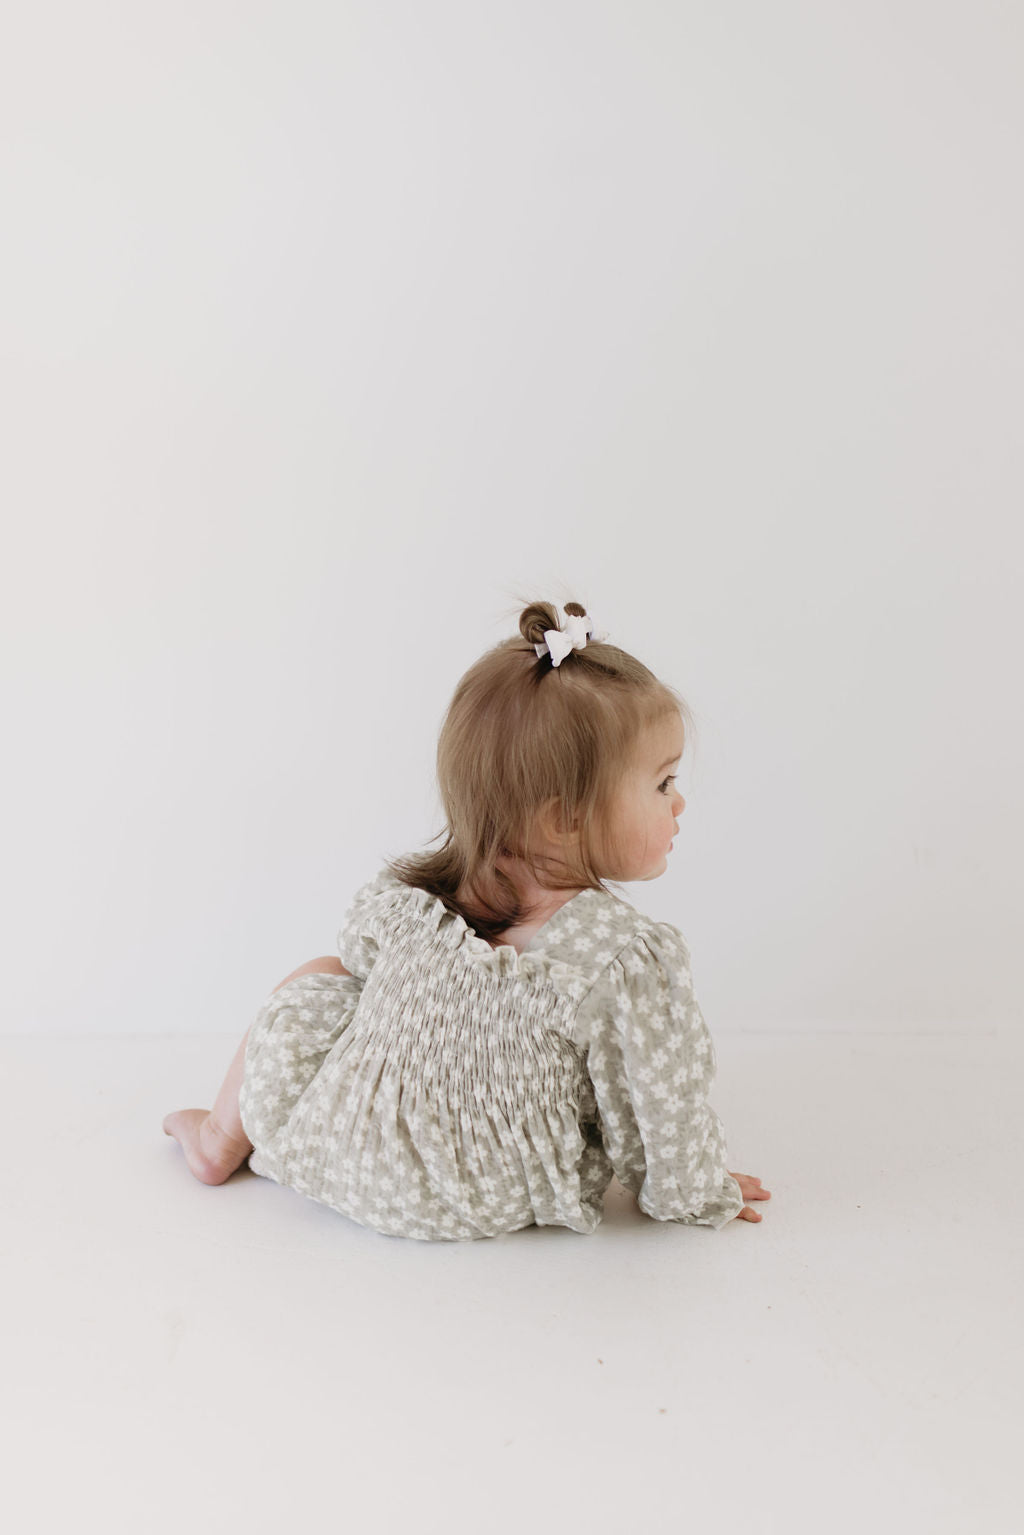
x,y
526,745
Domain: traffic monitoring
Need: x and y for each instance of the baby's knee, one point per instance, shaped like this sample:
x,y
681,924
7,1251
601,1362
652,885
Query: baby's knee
x,y
327,964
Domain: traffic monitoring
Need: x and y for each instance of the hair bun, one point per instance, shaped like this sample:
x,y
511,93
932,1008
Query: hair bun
x,y
534,619
538,616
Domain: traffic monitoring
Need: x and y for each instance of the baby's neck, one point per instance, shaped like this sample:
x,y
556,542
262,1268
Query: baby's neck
x,y
539,903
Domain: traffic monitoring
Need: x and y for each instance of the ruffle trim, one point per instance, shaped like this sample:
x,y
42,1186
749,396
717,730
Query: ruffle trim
x,y
529,966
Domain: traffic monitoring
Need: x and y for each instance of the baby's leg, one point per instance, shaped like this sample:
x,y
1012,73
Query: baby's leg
x,y
214,1143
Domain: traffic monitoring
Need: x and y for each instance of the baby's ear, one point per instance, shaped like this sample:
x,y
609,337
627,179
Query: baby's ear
x,y
555,822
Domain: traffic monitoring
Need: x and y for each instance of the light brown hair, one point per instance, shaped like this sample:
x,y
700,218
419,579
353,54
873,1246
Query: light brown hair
x,y
524,739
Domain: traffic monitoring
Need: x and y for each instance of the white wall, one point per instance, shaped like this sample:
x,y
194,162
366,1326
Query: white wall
x,y
329,329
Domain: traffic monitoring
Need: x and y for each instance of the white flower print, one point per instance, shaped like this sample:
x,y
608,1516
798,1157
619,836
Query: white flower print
x,y
437,1092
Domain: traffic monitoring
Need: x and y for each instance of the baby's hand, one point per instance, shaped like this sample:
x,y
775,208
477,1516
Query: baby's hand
x,y
750,1188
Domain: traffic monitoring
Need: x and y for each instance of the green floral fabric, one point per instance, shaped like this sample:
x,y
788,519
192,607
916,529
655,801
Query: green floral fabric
x,y
450,1090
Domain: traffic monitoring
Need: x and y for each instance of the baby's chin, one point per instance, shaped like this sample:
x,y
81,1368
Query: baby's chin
x,y
652,870
656,871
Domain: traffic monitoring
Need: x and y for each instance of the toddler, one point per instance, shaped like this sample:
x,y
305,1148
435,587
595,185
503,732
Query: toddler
x,y
503,1033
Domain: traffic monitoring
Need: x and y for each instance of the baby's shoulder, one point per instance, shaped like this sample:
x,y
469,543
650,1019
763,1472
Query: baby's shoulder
x,y
601,938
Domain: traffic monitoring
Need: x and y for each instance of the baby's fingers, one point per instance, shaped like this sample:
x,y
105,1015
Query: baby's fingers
x,y
750,1187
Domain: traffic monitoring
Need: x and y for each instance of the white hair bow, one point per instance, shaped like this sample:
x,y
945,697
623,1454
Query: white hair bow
x,y
573,635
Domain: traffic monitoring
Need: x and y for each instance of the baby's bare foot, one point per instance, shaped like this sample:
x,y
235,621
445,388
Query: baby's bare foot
x,y
211,1154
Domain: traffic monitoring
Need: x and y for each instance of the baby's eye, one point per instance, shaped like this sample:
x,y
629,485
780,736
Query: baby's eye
x,y
663,787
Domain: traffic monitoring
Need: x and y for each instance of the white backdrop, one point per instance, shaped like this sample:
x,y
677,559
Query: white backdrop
x,y
332,329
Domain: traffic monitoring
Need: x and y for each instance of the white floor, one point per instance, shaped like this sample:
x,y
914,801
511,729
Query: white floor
x,y
242,1358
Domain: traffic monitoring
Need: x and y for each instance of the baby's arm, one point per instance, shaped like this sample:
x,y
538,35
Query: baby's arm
x,y
651,1060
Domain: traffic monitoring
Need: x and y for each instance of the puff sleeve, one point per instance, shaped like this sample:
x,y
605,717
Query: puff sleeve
x,y
358,939
651,1060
